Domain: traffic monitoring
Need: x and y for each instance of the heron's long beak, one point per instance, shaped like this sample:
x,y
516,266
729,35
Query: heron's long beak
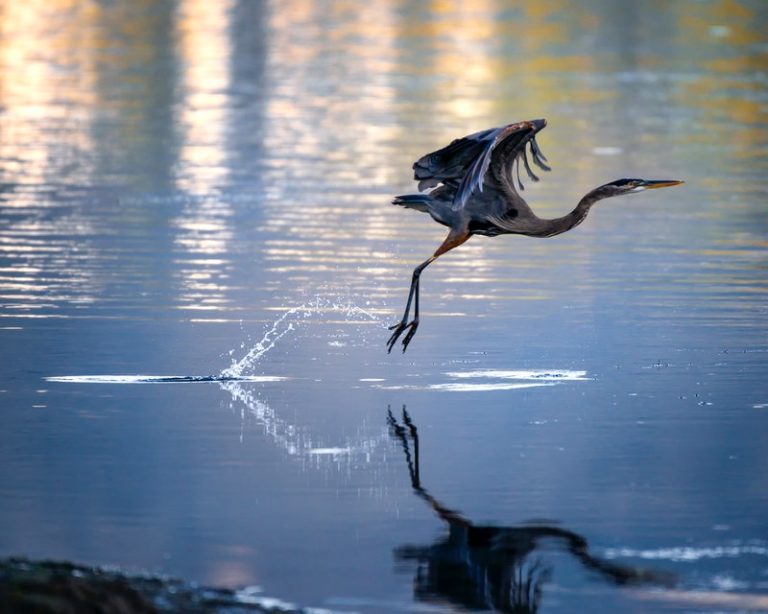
x,y
660,183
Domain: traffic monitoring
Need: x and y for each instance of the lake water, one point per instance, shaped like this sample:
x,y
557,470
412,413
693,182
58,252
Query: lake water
x,y
194,188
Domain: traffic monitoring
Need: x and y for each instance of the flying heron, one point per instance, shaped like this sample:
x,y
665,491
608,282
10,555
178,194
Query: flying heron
x,y
473,189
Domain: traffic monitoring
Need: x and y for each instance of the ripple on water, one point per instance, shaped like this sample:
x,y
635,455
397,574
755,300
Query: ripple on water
x,y
488,380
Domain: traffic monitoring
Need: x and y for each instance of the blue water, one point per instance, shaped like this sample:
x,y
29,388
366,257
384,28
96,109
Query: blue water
x,y
194,201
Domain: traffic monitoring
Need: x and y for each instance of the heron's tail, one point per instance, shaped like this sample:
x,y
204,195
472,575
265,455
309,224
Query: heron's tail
x,y
420,202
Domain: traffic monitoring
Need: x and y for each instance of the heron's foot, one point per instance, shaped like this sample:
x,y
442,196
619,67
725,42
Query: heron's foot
x,y
399,329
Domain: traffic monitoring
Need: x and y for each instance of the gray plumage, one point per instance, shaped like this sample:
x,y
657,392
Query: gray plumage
x,y
474,188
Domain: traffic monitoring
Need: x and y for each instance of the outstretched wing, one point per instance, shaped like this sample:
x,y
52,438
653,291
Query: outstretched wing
x,y
464,163
449,164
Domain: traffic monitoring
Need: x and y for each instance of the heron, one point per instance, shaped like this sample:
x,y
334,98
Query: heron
x,y
473,187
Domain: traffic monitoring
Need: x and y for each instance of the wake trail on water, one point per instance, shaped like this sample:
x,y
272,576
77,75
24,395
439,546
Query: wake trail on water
x,y
159,379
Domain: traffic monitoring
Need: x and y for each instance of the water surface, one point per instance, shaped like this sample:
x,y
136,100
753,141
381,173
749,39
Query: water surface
x,y
199,190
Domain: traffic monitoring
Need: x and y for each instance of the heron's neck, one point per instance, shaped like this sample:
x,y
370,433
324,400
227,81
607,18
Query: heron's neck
x,y
559,225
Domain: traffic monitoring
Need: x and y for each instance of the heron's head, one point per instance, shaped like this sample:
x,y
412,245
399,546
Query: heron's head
x,y
630,186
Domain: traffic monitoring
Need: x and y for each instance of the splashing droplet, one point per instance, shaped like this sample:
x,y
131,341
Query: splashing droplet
x,y
286,323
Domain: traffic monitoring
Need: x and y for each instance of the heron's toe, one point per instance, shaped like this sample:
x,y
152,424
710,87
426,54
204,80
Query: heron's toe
x,y
398,328
411,332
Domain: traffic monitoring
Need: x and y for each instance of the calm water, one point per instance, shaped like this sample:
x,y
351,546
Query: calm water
x,y
193,187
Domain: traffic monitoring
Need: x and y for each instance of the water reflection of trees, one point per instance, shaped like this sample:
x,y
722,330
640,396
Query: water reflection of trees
x,y
490,567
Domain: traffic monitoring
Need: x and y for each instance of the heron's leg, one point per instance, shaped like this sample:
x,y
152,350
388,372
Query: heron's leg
x,y
454,239
403,324
415,322
416,479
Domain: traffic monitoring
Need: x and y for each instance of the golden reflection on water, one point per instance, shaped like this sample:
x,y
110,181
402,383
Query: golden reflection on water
x,y
204,224
44,93
204,53
350,94
44,89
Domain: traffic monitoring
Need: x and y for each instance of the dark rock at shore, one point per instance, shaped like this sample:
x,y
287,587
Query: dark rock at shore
x,y
53,587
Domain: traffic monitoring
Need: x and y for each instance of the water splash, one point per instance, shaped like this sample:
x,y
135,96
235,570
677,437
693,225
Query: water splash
x,y
287,323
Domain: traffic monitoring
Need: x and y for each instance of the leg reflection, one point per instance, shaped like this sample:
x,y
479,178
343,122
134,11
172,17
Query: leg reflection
x,y
489,567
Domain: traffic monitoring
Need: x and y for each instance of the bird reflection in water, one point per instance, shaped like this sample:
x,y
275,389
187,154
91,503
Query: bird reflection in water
x,y
488,567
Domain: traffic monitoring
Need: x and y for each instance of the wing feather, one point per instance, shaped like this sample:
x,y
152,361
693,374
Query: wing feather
x,y
465,162
449,164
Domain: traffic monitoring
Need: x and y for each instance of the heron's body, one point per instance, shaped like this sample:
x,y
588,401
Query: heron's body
x,y
474,184
488,214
